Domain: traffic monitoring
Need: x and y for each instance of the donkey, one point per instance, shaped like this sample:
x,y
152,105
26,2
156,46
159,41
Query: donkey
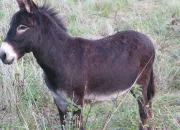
x,y
81,69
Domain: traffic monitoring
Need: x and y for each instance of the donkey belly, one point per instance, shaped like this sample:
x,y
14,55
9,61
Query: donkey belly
x,y
110,84
105,96
107,89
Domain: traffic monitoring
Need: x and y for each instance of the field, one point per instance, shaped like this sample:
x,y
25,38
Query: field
x,y
25,102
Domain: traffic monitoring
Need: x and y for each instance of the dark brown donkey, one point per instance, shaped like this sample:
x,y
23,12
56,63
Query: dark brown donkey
x,y
79,68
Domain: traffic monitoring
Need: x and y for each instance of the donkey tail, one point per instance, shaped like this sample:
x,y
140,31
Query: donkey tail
x,y
151,87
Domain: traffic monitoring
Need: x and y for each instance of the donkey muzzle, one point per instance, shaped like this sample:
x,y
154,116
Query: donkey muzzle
x,y
3,57
7,53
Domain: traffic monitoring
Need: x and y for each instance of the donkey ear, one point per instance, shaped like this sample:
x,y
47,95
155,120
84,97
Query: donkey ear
x,y
29,5
21,4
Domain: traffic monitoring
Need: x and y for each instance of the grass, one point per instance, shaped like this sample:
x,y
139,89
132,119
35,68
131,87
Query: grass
x,y
25,101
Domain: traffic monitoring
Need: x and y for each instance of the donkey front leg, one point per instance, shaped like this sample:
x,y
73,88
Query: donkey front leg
x,y
62,108
62,105
78,118
60,98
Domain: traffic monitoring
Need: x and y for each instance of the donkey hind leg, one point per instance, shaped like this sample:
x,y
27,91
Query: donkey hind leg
x,y
144,102
145,113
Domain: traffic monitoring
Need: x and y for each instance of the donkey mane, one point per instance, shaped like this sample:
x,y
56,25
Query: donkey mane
x,y
53,15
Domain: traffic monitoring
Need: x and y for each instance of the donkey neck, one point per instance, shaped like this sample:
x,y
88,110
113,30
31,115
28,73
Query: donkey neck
x,y
50,55
52,40
50,51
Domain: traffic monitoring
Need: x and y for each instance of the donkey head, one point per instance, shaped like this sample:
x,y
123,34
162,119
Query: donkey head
x,y
23,32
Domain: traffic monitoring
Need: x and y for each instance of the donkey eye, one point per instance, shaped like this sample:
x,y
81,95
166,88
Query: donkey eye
x,y
21,29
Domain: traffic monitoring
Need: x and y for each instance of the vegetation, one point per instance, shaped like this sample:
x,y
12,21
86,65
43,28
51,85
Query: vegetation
x,y
25,102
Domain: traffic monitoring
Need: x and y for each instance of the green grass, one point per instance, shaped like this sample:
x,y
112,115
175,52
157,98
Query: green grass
x,y
25,101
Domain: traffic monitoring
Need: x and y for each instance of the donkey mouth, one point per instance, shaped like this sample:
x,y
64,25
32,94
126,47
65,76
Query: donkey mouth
x,y
8,62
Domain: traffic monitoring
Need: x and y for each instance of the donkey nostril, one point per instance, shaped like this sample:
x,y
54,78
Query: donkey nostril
x,y
2,55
